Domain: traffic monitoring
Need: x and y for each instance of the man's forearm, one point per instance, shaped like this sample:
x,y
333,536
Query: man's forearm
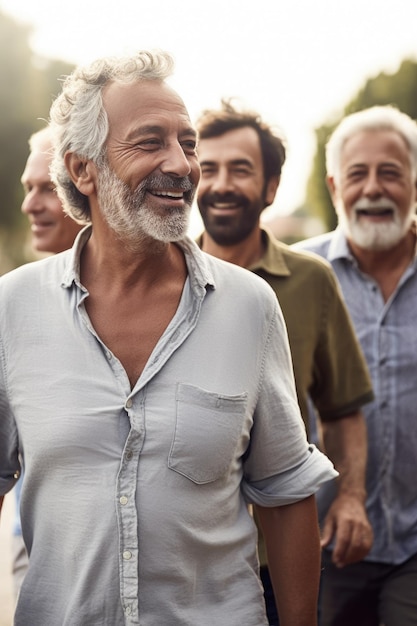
x,y
345,442
346,522
293,547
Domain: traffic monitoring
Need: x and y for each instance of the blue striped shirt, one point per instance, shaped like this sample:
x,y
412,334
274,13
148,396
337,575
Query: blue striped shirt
x,y
388,334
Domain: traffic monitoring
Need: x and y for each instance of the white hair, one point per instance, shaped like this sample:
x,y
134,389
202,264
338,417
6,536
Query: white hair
x,y
39,139
374,118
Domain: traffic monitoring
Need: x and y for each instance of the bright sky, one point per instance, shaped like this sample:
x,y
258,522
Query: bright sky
x,y
297,62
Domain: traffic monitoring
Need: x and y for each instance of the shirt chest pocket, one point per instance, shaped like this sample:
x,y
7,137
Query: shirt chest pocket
x,y
208,430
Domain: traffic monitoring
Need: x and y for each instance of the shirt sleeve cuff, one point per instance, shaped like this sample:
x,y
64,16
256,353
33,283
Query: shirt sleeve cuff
x,y
293,485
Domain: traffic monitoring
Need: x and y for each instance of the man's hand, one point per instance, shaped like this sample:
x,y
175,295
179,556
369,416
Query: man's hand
x,y
346,522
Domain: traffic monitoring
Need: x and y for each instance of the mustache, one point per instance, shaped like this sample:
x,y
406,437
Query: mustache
x,y
211,198
366,204
164,181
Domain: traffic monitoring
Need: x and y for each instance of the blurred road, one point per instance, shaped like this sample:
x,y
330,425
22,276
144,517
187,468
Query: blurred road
x,y
6,589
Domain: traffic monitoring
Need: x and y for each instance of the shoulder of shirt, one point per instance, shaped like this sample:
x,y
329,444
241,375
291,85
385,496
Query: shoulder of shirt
x,y
298,258
237,281
32,272
224,269
318,245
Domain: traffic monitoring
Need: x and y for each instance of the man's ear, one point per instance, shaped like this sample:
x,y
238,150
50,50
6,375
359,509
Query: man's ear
x,y
83,173
332,188
271,189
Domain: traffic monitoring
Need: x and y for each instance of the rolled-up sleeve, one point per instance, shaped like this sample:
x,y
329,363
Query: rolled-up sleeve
x,y
292,485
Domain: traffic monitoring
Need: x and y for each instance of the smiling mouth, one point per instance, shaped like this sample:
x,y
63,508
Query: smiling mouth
x,y
41,225
225,206
382,212
175,195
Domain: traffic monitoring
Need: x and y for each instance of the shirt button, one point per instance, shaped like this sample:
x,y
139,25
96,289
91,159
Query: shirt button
x,y
129,403
127,555
128,610
129,454
123,500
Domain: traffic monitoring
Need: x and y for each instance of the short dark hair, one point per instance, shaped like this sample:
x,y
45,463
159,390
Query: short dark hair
x,y
217,122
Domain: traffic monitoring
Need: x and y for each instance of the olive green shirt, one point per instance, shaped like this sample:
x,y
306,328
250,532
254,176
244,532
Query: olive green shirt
x,y
328,362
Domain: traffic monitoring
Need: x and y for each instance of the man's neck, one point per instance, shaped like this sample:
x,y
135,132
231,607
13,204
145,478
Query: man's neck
x,y
245,253
110,261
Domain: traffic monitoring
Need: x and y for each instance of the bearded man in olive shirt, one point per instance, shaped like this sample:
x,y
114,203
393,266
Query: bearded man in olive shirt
x,y
241,160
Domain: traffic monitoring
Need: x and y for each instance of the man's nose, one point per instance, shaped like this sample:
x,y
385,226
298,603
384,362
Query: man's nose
x,y
176,162
372,186
222,182
32,202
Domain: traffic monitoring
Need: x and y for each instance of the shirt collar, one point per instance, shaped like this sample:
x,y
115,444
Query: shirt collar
x,y
339,247
272,260
201,276
199,271
72,269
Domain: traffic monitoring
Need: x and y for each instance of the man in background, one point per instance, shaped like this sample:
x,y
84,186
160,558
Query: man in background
x,y
51,228
241,160
371,161
52,231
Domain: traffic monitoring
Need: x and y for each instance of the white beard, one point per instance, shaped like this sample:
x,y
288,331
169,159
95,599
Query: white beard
x,y
371,235
131,214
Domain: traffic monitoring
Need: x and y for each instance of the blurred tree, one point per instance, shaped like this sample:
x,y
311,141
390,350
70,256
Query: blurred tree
x,y
398,89
28,87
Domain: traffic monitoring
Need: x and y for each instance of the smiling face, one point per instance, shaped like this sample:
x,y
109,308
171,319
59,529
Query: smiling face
x,y
52,230
232,193
148,185
375,192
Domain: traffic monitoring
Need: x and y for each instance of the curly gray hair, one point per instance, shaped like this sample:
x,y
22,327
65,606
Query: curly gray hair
x,y
78,120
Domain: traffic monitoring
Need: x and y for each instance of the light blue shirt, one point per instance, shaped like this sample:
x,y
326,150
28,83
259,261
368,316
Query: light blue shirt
x,y
134,503
388,334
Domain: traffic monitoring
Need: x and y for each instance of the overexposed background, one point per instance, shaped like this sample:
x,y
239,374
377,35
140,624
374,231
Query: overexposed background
x,y
297,62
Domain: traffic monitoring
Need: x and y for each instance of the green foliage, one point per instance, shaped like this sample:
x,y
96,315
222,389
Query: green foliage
x,y
28,87
398,89
317,195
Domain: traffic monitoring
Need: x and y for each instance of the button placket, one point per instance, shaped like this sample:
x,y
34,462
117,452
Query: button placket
x,y
128,522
